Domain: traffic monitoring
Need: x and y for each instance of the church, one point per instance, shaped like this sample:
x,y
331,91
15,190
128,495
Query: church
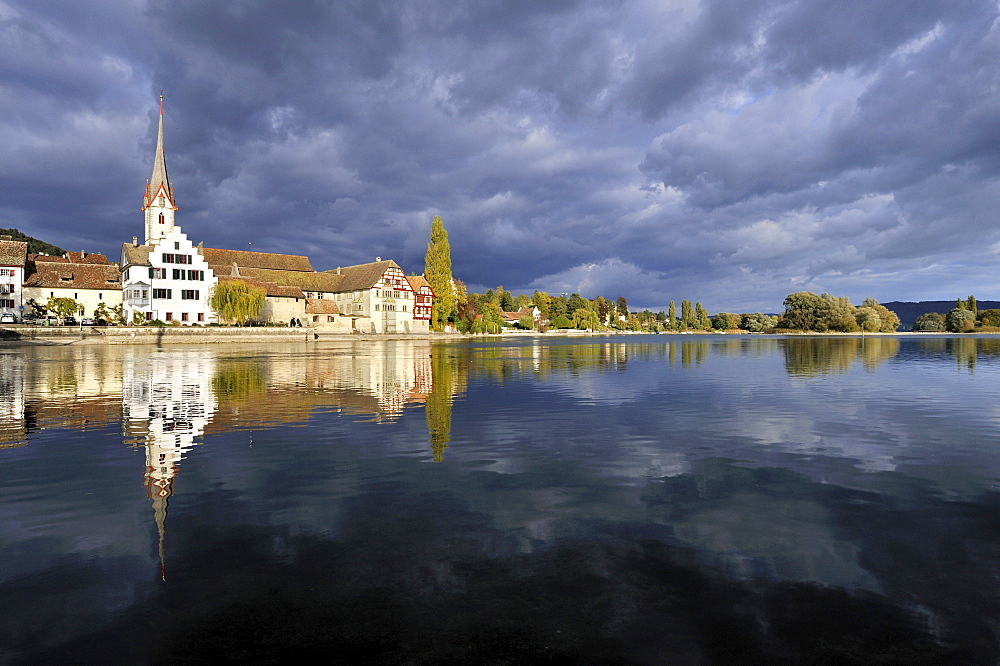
x,y
168,278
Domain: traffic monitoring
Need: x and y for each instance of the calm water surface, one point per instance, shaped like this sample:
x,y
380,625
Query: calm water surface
x,y
653,499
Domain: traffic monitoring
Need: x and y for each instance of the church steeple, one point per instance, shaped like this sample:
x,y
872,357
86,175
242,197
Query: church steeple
x,y
158,202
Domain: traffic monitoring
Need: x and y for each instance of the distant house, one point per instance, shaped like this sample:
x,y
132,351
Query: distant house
x,y
13,258
89,279
514,318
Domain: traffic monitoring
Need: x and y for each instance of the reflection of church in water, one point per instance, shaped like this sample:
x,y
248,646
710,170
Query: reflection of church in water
x,y
166,403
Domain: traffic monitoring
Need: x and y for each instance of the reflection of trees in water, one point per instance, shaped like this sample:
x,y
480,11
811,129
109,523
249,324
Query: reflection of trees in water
x,y
438,406
965,350
238,380
810,356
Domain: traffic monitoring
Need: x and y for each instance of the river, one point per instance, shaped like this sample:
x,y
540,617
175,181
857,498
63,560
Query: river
x,y
620,499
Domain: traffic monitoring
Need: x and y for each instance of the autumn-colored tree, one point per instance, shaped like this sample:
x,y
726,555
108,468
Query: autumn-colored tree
x,y
437,272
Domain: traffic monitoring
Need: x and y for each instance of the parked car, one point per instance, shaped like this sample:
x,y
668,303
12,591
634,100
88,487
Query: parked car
x,y
8,318
48,320
29,318
87,321
69,321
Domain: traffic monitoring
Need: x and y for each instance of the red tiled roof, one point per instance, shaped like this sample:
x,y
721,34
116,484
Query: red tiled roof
x,y
13,253
86,258
321,306
75,276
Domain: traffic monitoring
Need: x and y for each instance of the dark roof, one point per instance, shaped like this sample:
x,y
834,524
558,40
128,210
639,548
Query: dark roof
x,y
270,288
75,276
13,253
306,281
246,259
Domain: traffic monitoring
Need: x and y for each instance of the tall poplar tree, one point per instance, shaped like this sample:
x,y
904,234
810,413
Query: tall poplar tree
x,y
437,272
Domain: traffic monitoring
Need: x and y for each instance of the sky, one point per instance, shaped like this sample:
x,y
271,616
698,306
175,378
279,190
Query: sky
x,y
729,153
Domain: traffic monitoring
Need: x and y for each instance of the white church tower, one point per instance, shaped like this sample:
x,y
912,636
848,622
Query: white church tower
x,y
166,278
158,203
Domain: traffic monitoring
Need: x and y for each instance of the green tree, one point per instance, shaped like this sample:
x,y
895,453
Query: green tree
x,y
237,302
575,302
887,319
930,321
960,320
62,306
758,322
437,272
527,322
672,315
603,310
701,319
585,318
972,306
989,317
687,315
726,321
562,321
621,305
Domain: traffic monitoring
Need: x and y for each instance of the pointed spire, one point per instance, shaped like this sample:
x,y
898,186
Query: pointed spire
x,y
159,185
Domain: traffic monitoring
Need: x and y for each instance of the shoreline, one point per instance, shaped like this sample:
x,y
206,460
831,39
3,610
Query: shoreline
x,y
22,335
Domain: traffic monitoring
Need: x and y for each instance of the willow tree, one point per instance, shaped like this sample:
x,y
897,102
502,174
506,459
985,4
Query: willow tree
x,y
437,272
237,302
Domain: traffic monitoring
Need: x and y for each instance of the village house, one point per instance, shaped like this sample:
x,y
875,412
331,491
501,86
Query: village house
x,y
88,279
13,257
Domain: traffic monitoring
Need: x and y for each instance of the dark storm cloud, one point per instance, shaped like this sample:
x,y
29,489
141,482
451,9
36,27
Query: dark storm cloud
x,y
723,152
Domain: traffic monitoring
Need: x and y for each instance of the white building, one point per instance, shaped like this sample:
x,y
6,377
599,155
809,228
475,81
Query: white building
x,y
166,278
13,257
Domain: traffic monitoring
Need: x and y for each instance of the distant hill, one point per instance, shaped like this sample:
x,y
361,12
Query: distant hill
x,y
908,312
35,246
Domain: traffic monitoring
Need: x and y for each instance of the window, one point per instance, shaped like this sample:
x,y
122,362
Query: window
x,y
178,274
162,293
6,303
189,294
161,214
329,317
149,316
196,275
201,316
184,316
177,246
7,272
316,318
168,258
170,316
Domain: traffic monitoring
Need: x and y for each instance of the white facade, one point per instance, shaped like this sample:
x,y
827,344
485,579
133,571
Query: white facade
x,y
173,284
11,294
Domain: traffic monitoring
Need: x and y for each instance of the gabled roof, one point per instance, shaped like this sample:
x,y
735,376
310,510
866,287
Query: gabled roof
x,y
47,258
321,306
86,258
135,255
246,259
270,288
417,282
13,253
362,276
75,276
